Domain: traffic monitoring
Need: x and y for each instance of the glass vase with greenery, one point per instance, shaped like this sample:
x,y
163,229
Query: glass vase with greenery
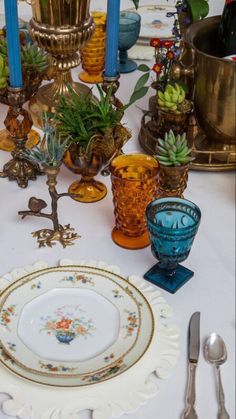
x,y
97,136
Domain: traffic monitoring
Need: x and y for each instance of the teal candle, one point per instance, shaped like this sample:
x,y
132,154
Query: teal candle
x,y
112,36
13,43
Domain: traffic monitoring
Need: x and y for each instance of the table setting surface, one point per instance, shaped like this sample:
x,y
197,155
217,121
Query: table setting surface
x,y
211,291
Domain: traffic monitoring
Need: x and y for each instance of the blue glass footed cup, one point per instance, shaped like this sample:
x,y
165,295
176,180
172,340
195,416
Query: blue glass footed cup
x,y
173,224
129,29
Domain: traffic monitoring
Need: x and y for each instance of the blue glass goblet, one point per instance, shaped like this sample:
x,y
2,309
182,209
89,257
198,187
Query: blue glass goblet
x,y
129,29
172,224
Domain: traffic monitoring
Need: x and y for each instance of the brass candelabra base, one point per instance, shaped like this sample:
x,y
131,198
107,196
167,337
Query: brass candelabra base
x,y
18,123
7,144
65,235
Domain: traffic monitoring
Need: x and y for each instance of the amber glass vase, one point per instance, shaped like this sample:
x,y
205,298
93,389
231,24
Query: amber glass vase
x,y
93,55
134,185
172,181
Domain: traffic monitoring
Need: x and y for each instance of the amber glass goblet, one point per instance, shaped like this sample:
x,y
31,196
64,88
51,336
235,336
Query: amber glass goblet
x,y
86,189
93,55
134,185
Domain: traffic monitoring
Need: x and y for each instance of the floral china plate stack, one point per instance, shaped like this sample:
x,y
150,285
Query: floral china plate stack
x,y
79,329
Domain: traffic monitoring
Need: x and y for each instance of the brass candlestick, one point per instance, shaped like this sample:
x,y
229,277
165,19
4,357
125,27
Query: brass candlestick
x,y
112,82
61,28
47,237
18,123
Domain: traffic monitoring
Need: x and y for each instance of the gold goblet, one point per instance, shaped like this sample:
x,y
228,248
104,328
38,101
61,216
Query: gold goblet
x,y
61,28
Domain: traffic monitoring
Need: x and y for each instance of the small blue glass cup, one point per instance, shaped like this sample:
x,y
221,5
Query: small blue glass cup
x,y
172,224
129,29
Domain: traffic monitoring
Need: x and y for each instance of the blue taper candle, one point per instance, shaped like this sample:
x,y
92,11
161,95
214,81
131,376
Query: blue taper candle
x,y
112,36
13,43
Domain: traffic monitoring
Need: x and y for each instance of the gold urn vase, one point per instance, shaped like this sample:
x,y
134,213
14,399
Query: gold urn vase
x,y
61,27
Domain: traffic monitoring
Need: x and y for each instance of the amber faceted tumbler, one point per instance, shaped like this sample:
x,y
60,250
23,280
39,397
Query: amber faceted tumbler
x,y
134,185
93,54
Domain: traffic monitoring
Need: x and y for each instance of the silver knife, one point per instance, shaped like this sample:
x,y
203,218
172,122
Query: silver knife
x,y
193,354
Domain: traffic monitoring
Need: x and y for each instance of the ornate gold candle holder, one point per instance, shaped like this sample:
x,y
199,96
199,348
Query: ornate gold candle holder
x,y
47,237
18,123
61,28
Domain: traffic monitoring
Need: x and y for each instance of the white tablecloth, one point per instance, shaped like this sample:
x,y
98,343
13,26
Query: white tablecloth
x,y
211,291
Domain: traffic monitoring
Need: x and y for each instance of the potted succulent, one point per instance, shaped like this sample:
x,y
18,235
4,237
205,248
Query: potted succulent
x,y
35,64
173,109
169,108
174,157
97,135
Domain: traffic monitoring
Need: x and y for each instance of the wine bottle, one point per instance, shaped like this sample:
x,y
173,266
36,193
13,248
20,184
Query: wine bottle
x,y
227,30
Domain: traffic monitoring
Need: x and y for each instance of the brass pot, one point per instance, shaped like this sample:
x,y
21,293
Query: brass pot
x,y
156,123
214,80
172,181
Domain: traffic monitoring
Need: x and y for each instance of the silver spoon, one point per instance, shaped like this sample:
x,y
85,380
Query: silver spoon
x,y
216,354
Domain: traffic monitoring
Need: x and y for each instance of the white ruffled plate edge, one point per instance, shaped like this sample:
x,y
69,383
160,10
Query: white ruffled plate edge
x,y
112,398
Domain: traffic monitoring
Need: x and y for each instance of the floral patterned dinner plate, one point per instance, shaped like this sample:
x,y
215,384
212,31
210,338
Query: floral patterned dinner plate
x,y
73,326
155,23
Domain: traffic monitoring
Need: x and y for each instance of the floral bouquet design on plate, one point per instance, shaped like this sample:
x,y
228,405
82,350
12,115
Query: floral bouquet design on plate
x,y
67,324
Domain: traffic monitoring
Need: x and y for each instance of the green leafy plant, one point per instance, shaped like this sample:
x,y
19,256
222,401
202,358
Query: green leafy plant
x,y
82,116
53,147
198,8
173,150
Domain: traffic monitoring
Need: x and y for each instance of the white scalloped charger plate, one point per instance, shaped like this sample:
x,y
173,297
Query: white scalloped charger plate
x,y
74,326
111,398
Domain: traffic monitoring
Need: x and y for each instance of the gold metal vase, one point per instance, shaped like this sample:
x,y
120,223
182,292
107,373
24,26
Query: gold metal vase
x,y
61,27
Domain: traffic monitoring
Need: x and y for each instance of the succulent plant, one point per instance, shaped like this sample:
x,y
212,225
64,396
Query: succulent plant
x,y
173,99
173,150
4,72
34,58
3,47
52,148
